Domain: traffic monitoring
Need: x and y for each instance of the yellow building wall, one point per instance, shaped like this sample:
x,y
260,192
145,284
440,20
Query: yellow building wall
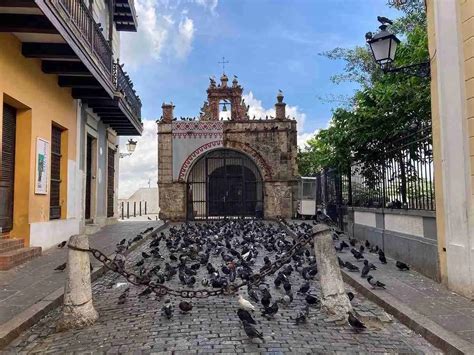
x,y
40,102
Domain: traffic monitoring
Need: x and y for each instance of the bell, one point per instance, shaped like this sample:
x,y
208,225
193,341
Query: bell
x,y
224,109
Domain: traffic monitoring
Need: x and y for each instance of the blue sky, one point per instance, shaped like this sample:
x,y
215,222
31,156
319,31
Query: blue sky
x,y
270,44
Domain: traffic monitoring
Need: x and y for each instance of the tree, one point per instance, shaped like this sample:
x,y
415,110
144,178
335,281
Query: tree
x,y
385,109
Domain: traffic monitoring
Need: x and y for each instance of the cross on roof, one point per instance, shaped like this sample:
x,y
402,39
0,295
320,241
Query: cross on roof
x,y
224,62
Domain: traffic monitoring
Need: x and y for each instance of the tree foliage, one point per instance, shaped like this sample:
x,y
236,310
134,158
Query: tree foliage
x,y
385,108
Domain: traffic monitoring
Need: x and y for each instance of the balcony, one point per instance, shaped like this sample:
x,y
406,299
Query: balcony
x,y
71,45
125,17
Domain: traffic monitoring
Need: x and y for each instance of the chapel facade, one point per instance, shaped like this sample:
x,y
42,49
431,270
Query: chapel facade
x,y
239,167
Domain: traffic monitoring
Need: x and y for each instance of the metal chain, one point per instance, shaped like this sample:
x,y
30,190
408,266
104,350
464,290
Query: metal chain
x,y
162,290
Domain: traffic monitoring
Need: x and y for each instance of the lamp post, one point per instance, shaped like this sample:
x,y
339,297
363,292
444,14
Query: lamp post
x,y
384,47
131,145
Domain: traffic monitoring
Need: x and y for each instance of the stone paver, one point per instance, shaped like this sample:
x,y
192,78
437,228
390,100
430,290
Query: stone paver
x,y
451,311
212,327
29,283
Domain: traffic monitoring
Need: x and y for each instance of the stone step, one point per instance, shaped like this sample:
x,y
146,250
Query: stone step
x,y
16,257
11,244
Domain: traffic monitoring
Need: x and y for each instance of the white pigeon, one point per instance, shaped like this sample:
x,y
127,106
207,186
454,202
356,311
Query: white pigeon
x,y
246,305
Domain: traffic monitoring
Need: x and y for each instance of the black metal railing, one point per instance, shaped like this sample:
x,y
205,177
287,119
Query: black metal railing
x,y
125,86
79,16
401,177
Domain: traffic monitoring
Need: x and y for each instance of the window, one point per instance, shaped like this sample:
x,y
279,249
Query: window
x,y
55,185
308,189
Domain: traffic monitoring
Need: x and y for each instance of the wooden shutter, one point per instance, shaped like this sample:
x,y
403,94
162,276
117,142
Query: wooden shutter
x,y
55,185
110,182
7,172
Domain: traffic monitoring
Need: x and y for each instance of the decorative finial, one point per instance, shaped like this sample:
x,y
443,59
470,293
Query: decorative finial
x,y
280,96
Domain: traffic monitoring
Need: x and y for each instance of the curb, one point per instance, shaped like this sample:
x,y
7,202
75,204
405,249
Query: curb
x,y
431,331
15,326
428,329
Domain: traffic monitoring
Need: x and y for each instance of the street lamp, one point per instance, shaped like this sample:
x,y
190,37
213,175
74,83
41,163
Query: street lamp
x,y
384,47
131,145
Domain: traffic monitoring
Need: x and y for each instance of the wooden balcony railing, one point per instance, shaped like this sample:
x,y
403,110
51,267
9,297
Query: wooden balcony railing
x,y
125,86
79,16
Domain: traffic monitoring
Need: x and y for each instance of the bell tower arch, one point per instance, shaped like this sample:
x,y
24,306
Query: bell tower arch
x,y
223,92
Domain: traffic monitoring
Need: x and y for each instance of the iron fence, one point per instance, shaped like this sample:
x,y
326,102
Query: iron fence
x,y
402,176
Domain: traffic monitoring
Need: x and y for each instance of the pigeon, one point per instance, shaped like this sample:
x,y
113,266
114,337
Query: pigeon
x,y
304,288
145,292
356,324
311,300
62,244
251,331
402,266
375,283
351,267
185,306
246,305
140,263
270,311
384,20
365,269
167,310
350,295
123,296
245,316
382,257
302,316
253,294
61,267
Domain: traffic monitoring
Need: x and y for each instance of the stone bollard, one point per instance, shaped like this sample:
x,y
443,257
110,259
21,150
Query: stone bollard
x,y
334,299
78,310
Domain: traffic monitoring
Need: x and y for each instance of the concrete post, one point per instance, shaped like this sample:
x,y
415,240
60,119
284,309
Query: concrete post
x,y
334,299
78,310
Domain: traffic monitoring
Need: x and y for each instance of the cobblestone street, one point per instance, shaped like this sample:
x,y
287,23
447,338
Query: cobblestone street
x,y
212,326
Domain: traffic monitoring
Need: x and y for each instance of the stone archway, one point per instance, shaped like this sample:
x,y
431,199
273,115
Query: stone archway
x,y
224,183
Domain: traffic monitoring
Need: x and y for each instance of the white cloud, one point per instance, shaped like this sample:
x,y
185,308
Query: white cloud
x,y
258,111
142,166
159,33
209,4
185,37
304,137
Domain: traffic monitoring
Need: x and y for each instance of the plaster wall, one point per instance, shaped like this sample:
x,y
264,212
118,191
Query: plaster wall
x,y
39,102
365,218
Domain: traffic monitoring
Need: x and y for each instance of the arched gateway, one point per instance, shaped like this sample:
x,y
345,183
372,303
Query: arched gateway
x,y
224,183
211,167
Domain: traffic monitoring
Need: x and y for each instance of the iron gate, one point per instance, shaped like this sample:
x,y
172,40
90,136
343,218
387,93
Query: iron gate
x,y
224,183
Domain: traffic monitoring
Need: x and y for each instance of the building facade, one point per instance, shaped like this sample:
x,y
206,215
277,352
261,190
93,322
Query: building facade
x,y
64,100
451,44
213,168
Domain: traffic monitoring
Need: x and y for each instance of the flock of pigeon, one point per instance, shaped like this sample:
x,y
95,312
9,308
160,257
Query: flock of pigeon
x,y
216,254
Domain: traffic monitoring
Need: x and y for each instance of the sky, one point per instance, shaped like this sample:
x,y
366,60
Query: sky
x,y
270,45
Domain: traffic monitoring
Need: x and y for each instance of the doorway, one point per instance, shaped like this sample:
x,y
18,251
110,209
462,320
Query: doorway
x,y
91,168
224,183
7,172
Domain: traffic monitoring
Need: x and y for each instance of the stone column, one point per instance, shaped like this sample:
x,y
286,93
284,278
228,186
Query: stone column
x,y
168,114
334,299
78,310
280,107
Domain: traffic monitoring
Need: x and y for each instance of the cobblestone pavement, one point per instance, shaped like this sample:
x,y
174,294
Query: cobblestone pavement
x,y
29,283
213,327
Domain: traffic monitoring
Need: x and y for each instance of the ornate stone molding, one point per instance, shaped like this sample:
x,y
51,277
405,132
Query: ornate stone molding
x,y
183,172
